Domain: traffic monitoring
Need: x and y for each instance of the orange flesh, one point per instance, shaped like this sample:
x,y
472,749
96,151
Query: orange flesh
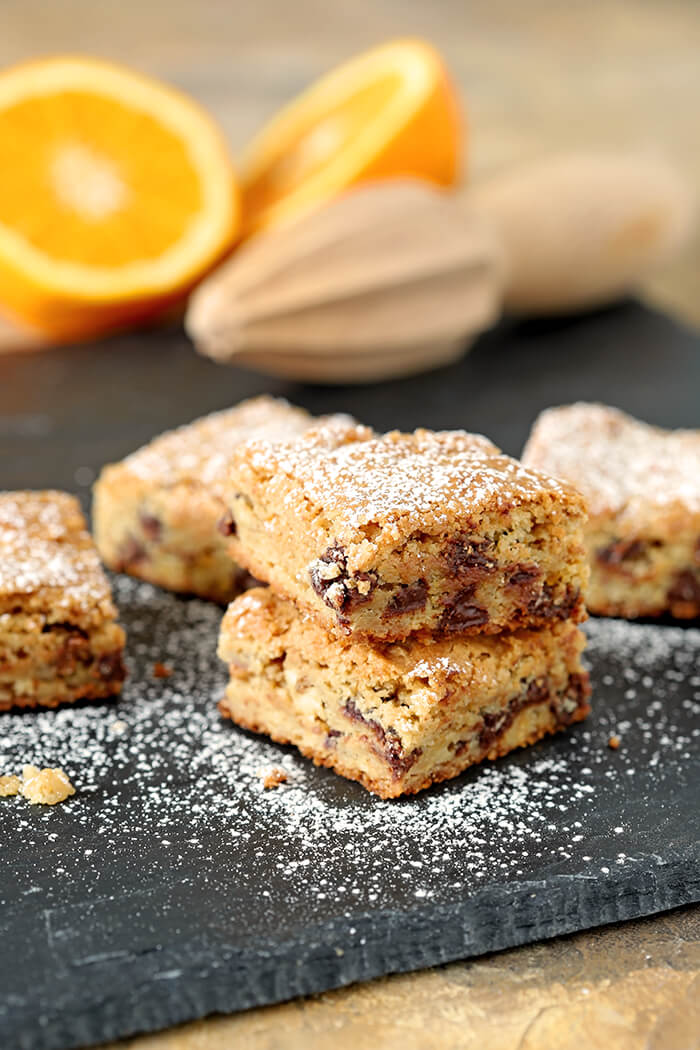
x,y
109,185
319,142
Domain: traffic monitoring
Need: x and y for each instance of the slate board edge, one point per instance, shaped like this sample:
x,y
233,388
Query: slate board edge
x,y
395,942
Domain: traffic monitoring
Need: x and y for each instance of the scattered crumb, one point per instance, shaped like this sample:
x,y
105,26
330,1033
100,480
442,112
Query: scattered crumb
x,y
45,787
161,670
9,785
118,727
274,777
614,742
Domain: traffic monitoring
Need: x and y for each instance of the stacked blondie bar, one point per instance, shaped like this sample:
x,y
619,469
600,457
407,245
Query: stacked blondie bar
x,y
423,600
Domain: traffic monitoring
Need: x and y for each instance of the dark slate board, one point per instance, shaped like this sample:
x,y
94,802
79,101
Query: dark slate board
x,y
172,886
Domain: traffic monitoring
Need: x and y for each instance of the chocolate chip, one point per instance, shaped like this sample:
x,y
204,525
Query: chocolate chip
x,y
330,568
151,525
130,552
565,707
74,650
495,723
330,580
545,606
621,551
685,588
226,524
461,613
407,598
537,691
395,755
110,666
523,576
388,740
352,711
63,625
467,557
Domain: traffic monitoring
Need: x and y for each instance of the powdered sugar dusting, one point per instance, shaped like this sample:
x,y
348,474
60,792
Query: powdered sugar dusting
x,y
439,665
201,450
45,549
419,479
618,463
160,767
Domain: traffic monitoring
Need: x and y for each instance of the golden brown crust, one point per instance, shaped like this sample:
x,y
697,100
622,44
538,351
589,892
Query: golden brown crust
x,y
388,536
396,717
529,726
89,686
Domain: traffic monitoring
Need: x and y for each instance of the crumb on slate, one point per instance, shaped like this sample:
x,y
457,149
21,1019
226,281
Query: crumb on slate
x,y
9,785
45,786
118,727
272,778
161,670
614,742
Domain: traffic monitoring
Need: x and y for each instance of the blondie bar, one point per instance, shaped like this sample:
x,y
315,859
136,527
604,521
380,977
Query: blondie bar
x,y
388,536
397,717
642,486
58,637
155,514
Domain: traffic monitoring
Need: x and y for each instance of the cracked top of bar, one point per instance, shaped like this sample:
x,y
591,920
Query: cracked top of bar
x,y
400,482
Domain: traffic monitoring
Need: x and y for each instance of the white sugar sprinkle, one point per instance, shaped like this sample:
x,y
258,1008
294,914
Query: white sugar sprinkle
x,y
179,763
419,479
611,456
201,450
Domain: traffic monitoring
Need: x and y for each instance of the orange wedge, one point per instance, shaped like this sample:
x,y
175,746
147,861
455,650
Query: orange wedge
x,y
116,195
389,112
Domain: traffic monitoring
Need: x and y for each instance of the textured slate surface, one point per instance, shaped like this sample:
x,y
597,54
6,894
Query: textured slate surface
x,y
171,886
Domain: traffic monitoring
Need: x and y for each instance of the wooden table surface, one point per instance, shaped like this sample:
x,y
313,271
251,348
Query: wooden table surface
x,y
536,77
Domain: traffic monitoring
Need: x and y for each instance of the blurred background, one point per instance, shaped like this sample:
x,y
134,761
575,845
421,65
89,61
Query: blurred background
x,y
534,77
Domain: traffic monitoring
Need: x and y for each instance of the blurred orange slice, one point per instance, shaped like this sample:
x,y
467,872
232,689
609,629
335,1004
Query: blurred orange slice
x,y
116,195
389,112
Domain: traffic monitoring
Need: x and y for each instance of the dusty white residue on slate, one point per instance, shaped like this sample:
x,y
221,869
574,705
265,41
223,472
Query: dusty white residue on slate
x,y
161,766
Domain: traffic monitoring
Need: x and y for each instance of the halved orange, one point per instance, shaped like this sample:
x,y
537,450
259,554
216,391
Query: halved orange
x,y
116,195
389,112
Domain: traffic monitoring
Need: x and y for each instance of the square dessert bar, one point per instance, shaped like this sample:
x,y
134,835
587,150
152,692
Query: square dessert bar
x,y
397,717
58,637
642,486
387,536
156,513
